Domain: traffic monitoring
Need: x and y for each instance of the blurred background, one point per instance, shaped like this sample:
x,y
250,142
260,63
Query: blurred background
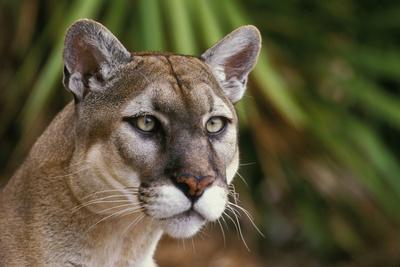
x,y
320,122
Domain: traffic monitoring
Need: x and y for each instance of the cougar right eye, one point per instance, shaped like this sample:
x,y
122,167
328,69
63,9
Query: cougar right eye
x,y
145,123
215,125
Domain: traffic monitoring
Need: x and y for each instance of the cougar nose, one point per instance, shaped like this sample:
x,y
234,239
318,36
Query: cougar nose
x,y
193,186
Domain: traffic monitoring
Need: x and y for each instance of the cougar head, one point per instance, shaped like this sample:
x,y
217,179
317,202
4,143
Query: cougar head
x,y
156,133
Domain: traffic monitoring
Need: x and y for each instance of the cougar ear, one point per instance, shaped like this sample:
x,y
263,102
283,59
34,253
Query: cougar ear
x,y
91,54
232,59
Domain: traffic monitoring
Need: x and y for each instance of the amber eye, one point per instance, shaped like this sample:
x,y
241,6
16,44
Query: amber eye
x,y
145,123
215,125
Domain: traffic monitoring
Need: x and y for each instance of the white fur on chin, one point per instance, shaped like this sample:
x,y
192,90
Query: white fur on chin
x,y
183,226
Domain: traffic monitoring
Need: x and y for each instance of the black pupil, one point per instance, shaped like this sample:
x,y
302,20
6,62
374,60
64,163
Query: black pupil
x,y
148,120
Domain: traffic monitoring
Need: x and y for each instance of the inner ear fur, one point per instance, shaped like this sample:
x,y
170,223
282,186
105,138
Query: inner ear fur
x,y
232,58
91,54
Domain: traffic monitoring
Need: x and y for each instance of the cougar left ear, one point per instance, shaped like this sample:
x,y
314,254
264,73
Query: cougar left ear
x,y
91,54
232,59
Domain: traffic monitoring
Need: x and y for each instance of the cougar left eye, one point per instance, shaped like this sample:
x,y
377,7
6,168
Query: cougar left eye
x,y
215,125
145,123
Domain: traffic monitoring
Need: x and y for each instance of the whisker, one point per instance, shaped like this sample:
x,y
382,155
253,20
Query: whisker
x,y
193,246
118,213
233,210
108,191
224,221
182,244
139,209
222,231
201,234
249,216
234,194
240,230
242,178
131,188
133,223
247,163
70,174
108,197
98,202
230,218
137,205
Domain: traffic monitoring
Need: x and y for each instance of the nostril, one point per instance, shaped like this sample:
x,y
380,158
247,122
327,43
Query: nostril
x,y
193,186
188,184
204,182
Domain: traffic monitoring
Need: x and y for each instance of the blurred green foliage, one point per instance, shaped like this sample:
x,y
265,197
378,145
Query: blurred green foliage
x,y
319,125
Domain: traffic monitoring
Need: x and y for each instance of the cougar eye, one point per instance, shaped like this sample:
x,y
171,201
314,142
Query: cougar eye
x,y
145,123
215,125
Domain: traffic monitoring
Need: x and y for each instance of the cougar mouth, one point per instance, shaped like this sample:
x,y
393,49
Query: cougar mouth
x,y
178,216
186,214
183,225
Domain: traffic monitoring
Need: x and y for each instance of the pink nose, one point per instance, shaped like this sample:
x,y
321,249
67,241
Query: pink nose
x,y
194,186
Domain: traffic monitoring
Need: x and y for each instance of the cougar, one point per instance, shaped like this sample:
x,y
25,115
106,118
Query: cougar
x,y
147,146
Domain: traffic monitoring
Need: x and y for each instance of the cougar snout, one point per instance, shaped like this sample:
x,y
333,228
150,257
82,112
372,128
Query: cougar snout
x,y
193,186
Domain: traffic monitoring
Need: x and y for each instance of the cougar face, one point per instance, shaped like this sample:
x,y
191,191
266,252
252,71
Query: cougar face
x,y
157,132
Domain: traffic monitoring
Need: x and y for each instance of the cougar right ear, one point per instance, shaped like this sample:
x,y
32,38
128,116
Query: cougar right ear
x,y
232,59
91,55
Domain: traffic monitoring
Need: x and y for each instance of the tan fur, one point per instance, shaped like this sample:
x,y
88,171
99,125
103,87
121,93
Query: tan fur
x,y
94,191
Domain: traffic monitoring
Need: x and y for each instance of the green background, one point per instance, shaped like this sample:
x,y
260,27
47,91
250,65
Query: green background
x,y
319,123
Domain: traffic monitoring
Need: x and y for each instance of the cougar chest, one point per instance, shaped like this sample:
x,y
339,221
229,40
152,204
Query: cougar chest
x,y
114,244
